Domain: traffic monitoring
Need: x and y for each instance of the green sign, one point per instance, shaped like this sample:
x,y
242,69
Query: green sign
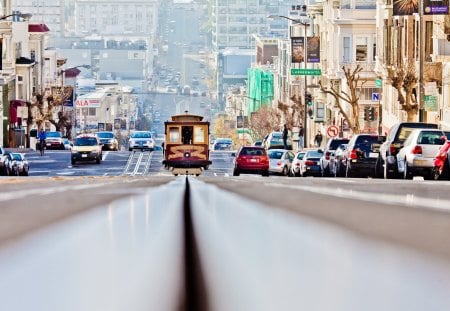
x,y
305,72
431,103
378,82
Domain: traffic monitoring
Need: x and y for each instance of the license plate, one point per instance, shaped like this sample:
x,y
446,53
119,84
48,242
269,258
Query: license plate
x,y
84,155
49,144
254,160
373,155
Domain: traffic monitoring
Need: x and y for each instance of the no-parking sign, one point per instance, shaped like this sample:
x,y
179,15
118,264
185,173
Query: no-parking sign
x,y
332,131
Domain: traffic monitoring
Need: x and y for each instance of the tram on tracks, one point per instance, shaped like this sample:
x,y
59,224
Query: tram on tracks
x,y
186,145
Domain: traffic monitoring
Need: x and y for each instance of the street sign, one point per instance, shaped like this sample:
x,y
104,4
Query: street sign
x,y
431,103
22,112
305,72
332,131
375,97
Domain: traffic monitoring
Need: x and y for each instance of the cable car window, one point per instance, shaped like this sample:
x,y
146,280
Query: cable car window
x,y
187,134
199,134
174,135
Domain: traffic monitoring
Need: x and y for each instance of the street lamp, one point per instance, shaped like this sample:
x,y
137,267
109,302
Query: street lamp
x,y
72,72
25,16
305,94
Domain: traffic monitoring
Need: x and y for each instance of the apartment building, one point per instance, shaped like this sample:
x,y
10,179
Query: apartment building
x,y
49,12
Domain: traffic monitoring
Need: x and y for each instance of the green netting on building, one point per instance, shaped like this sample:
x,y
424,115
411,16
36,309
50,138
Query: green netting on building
x,y
259,88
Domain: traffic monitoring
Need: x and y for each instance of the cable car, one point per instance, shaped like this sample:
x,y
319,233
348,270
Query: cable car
x,y
186,146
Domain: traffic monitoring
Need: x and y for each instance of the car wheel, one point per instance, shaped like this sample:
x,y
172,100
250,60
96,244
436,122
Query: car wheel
x,y
326,171
285,171
387,174
130,149
379,168
73,162
407,174
348,172
445,174
435,173
265,173
235,172
98,160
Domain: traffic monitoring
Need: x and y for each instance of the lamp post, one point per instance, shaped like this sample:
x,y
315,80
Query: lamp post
x,y
75,72
305,93
25,16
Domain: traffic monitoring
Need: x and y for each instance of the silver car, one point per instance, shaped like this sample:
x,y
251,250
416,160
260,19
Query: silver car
x,y
418,152
295,166
280,161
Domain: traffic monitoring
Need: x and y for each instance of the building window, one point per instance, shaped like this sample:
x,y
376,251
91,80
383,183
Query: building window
x,y
347,50
361,49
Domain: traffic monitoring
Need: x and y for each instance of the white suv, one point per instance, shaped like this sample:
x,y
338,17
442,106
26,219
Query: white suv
x,y
141,140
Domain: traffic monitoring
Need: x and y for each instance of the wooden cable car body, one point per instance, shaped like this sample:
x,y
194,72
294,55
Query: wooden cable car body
x,y
186,146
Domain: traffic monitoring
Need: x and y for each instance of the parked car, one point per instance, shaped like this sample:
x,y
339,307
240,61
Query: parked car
x,y
251,160
141,140
280,161
361,155
16,164
275,141
442,162
223,144
339,171
2,161
66,143
310,164
87,147
416,157
327,161
295,166
387,162
108,140
54,140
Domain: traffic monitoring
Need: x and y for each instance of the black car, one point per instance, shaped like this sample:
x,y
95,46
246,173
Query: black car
x,y
387,161
328,161
108,140
361,155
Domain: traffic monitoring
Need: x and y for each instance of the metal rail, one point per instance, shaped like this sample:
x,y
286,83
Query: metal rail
x,y
188,245
138,163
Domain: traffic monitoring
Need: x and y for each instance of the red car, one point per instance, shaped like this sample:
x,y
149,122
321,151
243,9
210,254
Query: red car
x,y
251,160
442,162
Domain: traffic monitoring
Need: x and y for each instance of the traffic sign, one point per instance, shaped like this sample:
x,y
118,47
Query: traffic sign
x,y
332,131
375,97
305,72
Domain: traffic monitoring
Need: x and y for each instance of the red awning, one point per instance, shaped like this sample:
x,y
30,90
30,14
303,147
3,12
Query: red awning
x,y
13,104
71,72
38,28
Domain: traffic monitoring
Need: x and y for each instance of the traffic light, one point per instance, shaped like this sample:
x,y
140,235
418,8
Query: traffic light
x,y
366,113
308,99
371,115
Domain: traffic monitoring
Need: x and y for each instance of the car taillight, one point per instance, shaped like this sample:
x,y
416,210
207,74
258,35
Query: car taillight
x,y
393,149
417,150
279,163
309,162
327,155
353,154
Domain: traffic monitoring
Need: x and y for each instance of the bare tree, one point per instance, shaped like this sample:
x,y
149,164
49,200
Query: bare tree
x,y
355,84
404,80
264,121
55,104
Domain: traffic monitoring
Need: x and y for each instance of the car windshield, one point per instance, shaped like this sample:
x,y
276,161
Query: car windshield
x,y
16,156
335,143
365,143
141,135
314,154
300,155
275,154
53,134
105,135
86,141
252,151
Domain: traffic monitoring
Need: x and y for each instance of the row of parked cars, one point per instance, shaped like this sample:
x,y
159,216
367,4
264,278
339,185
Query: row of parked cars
x,y
409,149
13,163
